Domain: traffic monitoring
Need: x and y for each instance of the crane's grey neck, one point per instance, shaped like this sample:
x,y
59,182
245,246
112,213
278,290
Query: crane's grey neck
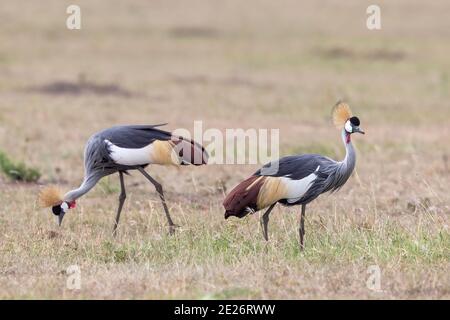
x,y
343,169
348,164
88,183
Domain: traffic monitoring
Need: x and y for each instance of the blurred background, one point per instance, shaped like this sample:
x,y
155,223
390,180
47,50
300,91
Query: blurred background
x,y
257,64
231,64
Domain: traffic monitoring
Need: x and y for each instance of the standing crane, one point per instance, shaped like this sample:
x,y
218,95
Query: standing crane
x,y
121,149
296,180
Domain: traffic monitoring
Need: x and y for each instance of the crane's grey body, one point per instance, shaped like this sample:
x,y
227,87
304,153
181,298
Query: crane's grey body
x,y
124,148
98,162
331,175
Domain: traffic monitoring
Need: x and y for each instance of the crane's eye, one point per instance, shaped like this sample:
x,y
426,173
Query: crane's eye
x,y
56,210
355,121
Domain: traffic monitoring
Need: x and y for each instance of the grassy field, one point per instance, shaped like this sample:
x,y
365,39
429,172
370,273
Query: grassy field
x,y
233,64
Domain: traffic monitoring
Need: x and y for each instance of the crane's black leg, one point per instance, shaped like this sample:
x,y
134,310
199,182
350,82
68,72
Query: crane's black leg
x,y
160,191
302,227
265,221
122,197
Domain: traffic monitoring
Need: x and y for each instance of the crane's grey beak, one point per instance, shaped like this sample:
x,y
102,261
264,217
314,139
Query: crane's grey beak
x,y
359,130
62,211
61,217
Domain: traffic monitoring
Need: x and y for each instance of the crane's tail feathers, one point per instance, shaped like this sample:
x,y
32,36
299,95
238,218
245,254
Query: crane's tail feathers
x,y
243,199
178,151
253,194
189,152
341,113
159,125
49,197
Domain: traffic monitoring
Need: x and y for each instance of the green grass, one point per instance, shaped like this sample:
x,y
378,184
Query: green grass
x,y
18,170
208,244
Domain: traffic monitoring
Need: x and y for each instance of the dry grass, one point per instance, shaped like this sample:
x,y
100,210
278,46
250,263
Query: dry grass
x,y
235,64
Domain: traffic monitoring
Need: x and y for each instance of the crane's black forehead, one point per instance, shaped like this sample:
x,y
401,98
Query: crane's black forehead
x,y
56,210
354,121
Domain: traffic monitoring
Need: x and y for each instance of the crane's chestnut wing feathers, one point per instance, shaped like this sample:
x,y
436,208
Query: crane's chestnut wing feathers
x,y
290,180
243,198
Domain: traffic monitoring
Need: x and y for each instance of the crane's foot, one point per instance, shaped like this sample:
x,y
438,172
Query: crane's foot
x,y
172,229
114,230
301,242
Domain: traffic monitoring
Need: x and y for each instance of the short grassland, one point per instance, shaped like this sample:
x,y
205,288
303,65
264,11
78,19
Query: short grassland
x,y
277,66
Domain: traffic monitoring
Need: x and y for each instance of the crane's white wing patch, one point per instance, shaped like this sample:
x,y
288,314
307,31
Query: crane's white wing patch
x,y
296,189
130,157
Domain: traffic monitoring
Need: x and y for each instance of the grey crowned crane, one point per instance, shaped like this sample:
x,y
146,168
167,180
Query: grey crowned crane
x,y
121,149
296,180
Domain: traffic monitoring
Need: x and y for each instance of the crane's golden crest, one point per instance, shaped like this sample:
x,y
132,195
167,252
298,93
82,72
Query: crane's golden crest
x,y
341,113
50,196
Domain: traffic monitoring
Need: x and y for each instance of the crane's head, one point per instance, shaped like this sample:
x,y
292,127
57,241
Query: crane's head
x,y
343,119
61,209
352,126
51,197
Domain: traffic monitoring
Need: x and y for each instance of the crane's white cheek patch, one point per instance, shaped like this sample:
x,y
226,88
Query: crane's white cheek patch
x,y
130,157
348,127
64,206
298,188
